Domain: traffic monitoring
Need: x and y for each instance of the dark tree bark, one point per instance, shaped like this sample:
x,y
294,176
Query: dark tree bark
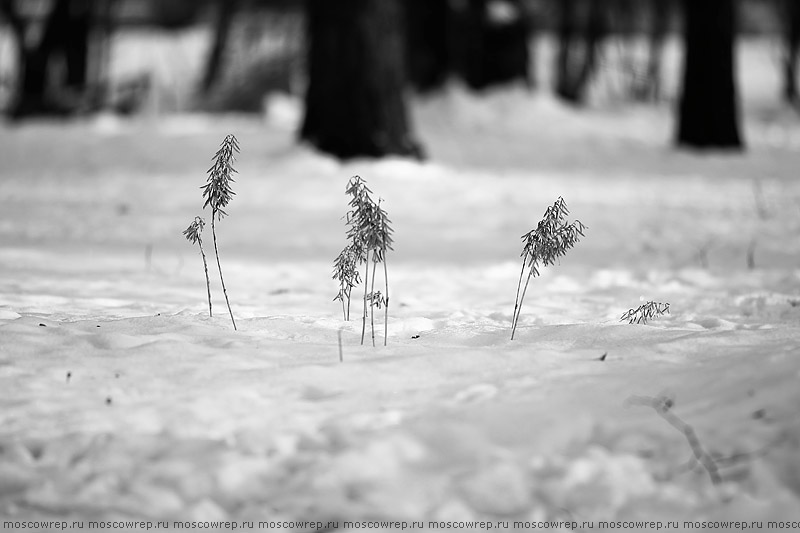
x,y
226,9
789,11
708,115
75,24
428,43
491,44
578,43
66,32
355,102
484,43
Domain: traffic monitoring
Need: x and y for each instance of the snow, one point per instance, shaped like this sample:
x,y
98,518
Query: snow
x,y
121,398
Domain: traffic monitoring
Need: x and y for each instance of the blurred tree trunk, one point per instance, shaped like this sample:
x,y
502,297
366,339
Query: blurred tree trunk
x,y
75,22
355,102
226,10
659,25
577,47
789,12
428,43
66,32
484,42
646,82
708,115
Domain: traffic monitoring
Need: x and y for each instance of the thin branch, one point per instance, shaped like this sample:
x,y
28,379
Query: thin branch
x,y
663,405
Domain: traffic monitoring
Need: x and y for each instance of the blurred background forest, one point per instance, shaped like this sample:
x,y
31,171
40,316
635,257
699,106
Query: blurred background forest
x,y
351,66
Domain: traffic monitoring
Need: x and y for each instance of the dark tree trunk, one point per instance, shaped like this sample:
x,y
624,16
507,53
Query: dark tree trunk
x,y
226,9
578,43
74,41
428,43
484,43
66,31
790,15
355,99
708,116
505,34
492,43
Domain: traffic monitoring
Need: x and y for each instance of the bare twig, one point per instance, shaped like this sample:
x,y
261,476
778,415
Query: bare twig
x,y
663,405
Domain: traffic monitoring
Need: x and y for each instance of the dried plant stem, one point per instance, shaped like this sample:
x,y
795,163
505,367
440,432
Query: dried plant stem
x,y
366,287
516,300
544,245
208,281
521,298
372,298
662,406
386,298
219,267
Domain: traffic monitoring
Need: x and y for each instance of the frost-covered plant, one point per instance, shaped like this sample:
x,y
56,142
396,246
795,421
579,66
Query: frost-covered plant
x,y
370,234
218,193
193,234
543,246
645,312
345,271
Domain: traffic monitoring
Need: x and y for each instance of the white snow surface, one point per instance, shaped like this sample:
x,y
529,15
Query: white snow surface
x,y
120,398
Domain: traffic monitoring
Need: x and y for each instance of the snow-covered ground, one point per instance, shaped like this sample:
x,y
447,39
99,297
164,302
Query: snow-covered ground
x,y
120,398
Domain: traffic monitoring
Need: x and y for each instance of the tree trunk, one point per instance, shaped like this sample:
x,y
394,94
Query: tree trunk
x,y
226,9
504,35
578,43
659,25
790,13
428,43
66,31
708,115
75,42
355,99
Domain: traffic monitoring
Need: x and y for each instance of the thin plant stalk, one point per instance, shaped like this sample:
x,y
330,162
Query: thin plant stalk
x,y
208,281
218,193
364,314
219,267
372,299
516,298
386,298
524,290
193,235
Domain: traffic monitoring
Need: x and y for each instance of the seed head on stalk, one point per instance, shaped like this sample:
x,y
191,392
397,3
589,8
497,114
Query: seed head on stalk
x,y
193,234
370,234
544,246
218,193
